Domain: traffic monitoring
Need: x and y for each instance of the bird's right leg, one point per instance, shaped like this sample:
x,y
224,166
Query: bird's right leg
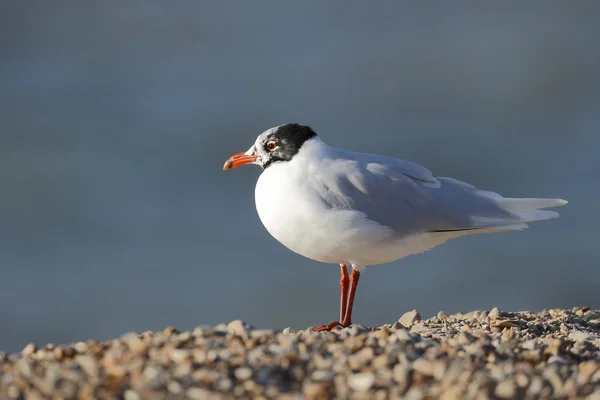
x,y
344,285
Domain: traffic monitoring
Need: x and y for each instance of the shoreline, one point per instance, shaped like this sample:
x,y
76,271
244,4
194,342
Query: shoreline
x,y
480,354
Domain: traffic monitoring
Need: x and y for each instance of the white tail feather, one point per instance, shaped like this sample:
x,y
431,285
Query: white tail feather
x,y
528,210
529,204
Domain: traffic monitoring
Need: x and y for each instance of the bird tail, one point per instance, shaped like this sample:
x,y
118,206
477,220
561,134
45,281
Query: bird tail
x,y
530,209
494,213
525,210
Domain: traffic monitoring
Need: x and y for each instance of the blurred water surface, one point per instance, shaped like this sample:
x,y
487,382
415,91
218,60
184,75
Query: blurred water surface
x,y
116,119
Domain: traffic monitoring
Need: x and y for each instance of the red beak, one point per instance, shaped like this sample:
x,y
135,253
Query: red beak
x,y
239,159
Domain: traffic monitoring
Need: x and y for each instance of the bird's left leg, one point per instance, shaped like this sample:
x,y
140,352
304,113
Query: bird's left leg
x,y
354,277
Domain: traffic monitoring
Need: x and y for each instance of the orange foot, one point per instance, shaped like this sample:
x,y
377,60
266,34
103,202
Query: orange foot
x,y
328,328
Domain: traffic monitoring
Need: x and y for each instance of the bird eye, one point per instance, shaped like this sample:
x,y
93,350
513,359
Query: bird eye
x,y
271,146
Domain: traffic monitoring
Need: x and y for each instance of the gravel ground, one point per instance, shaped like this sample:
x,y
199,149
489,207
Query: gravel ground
x,y
550,354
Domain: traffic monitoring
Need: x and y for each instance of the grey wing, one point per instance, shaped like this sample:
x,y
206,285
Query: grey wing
x,y
407,198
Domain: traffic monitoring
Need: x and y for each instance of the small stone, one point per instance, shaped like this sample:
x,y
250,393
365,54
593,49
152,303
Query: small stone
x,y
180,355
453,393
29,349
384,360
88,364
289,331
198,394
315,390
579,335
261,333
418,327
401,335
80,347
400,373
361,358
494,313
169,330
239,328
151,373
507,335
355,330
503,323
442,316
243,373
464,338
586,370
415,394
397,325
361,382
174,387
522,379
506,389
323,375
132,340
224,385
25,367
536,386
409,318
382,333
131,395
203,331
554,346
58,353
529,344
429,368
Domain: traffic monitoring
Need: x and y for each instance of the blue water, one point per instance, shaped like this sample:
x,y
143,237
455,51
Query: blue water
x,y
116,119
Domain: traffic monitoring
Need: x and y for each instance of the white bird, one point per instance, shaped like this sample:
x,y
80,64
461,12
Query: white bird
x,y
337,206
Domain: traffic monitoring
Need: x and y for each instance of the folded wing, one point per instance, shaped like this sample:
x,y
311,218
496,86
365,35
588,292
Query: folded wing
x,y
407,198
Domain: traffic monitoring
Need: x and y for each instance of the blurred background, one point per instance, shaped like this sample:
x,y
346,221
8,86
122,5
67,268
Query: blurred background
x,y
116,119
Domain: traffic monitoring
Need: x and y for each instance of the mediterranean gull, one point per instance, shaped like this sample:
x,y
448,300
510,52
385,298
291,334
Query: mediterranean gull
x,y
341,207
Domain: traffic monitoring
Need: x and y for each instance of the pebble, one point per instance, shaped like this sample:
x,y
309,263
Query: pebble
x,y
243,373
239,328
409,318
315,390
198,394
579,335
29,349
361,382
88,364
131,395
174,387
354,330
289,331
494,313
506,389
323,375
547,354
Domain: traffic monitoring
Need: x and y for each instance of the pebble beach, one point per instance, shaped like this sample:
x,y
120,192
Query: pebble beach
x,y
477,355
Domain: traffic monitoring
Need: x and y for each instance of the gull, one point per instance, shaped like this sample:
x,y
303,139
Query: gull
x,y
354,209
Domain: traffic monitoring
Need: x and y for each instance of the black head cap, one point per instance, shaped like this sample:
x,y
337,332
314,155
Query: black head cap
x,y
283,142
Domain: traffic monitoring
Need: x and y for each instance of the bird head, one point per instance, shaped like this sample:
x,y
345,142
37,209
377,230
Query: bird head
x,y
278,144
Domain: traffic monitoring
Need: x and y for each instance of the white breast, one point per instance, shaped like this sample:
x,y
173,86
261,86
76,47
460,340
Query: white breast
x,y
293,214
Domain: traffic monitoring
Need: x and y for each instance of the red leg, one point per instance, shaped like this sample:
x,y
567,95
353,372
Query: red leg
x,y
344,281
354,277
